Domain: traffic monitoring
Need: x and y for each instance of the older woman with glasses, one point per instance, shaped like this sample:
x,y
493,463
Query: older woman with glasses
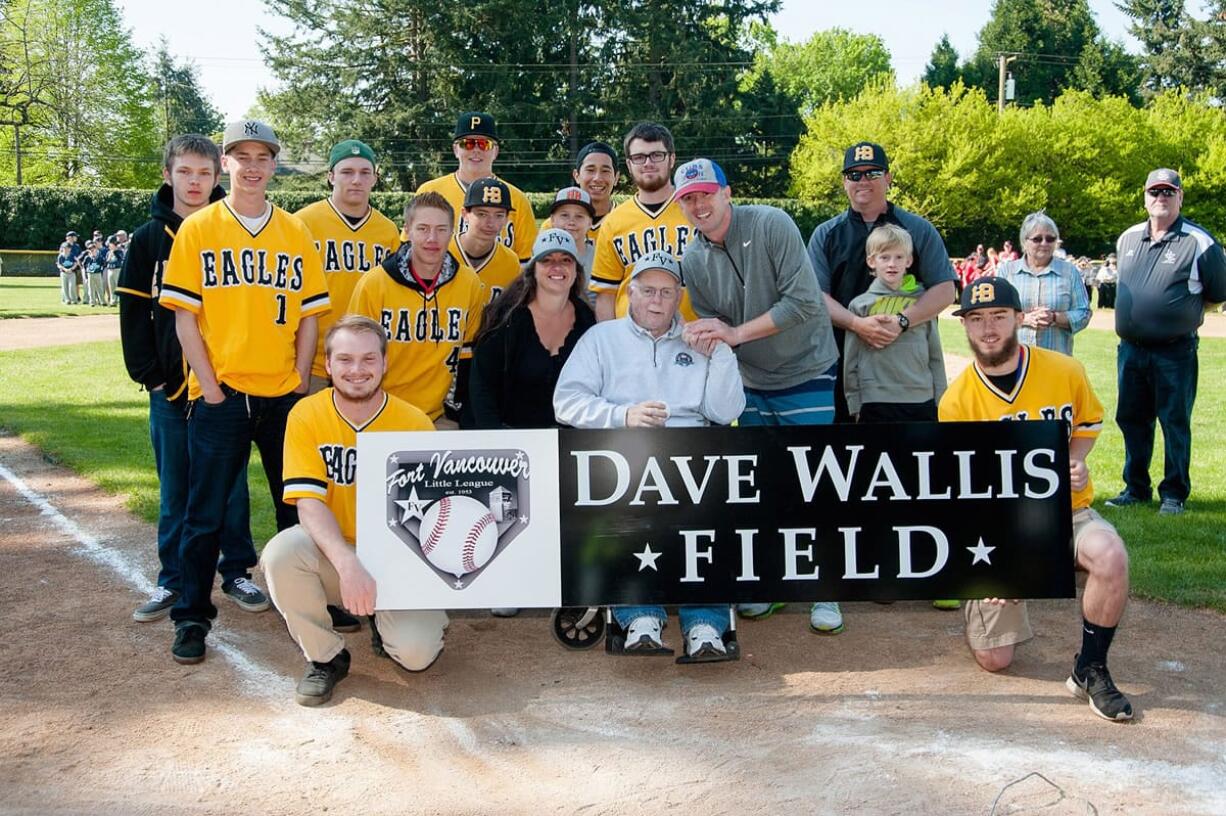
x,y
1054,299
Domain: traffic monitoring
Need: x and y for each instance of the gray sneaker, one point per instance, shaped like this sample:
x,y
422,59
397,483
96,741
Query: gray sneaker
x,y
247,595
1170,507
157,607
1126,499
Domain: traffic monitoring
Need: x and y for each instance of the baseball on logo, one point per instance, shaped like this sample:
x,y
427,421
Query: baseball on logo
x,y
458,535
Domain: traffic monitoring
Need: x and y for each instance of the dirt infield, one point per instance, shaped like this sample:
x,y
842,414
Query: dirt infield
x,y
41,332
890,717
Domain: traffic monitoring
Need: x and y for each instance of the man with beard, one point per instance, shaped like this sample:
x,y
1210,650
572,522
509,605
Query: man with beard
x,y
650,221
1008,381
315,563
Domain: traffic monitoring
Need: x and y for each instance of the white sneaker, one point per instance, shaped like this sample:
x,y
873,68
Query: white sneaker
x,y
825,618
703,637
644,633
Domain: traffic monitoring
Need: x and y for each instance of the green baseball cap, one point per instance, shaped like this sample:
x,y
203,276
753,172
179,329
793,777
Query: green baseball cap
x,y
348,149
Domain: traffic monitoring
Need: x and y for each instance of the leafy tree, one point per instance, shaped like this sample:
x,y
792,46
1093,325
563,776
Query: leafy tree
x,y
942,68
1179,50
830,65
180,103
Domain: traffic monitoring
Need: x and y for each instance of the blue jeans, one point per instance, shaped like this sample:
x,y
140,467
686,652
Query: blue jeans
x,y
691,616
168,433
1157,382
219,439
809,403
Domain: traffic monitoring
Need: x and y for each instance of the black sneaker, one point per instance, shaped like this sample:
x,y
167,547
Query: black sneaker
x,y
189,644
1095,684
247,595
1126,499
157,607
315,687
342,621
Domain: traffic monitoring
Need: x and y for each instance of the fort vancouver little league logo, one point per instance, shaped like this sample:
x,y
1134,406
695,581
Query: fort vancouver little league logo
x,y
458,510
683,359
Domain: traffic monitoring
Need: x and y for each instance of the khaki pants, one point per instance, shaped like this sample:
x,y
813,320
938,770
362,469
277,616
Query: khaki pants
x,y
68,287
302,582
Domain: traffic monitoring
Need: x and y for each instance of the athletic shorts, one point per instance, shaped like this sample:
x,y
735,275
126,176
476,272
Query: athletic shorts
x,y
989,626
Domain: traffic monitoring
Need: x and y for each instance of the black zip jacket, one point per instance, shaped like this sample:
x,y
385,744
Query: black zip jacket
x,y
151,349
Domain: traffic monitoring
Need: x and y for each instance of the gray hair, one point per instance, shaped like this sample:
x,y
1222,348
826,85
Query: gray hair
x,y
1035,221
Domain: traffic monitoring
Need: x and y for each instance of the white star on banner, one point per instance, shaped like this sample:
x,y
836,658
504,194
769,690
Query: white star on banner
x,y
523,519
981,553
411,506
394,458
647,558
458,584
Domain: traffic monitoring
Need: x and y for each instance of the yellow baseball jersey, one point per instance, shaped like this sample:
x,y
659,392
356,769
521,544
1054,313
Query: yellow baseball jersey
x,y
321,451
346,251
520,231
249,292
428,332
1049,386
496,271
626,234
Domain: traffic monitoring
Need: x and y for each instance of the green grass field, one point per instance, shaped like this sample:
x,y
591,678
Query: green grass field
x,y
39,297
97,425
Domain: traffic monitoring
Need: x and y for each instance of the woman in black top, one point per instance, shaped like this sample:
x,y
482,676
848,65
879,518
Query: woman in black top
x,y
526,336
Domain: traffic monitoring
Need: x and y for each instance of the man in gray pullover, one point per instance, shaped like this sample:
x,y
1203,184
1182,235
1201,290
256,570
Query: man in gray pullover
x,y
753,288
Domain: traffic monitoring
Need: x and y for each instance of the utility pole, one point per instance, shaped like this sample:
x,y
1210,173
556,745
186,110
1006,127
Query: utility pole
x,y
1004,60
17,146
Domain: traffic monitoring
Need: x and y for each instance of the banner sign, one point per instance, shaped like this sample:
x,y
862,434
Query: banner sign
x,y
716,515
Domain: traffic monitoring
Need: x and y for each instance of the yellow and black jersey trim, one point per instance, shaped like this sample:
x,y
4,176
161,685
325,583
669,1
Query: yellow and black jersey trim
x,y
297,485
1023,370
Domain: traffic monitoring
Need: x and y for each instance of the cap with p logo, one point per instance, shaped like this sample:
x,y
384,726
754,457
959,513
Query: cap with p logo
x,y
475,123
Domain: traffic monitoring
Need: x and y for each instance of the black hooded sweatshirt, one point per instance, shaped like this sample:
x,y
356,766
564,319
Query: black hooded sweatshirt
x,y
151,349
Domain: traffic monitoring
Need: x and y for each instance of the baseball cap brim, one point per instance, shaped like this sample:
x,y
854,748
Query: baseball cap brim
x,y
577,201
697,187
273,146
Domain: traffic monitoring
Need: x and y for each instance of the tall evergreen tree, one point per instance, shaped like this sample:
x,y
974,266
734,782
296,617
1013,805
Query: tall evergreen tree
x,y
1179,50
181,106
942,68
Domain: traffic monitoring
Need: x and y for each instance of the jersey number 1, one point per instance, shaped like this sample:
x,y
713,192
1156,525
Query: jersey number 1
x,y
280,309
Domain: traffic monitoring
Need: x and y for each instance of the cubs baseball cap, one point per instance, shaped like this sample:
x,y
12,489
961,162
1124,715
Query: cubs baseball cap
x,y
488,192
573,195
866,154
249,130
699,176
350,149
1163,177
474,123
988,293
551,241
658,259
595,147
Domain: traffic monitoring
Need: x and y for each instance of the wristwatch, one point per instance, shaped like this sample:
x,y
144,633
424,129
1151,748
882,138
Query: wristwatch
x,y
903,322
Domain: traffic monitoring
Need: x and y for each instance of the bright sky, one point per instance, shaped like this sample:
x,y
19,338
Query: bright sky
x,y
231,68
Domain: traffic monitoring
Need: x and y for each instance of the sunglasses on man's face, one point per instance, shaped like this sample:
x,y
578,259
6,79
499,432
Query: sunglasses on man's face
x,y
1162,192
856,175
478,143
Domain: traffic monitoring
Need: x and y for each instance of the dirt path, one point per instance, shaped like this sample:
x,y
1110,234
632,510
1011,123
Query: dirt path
x,y
890,717
38,332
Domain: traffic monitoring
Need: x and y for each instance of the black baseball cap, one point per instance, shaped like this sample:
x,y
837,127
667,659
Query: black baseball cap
x,y
989,293
866,154
595,147
488,192
474,123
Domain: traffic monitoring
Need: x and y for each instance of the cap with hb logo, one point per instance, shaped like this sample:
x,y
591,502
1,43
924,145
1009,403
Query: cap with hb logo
x,y
475,123
699,176
249,130
866,154
989,293
350,149
488,192
573,195
659,259
551,241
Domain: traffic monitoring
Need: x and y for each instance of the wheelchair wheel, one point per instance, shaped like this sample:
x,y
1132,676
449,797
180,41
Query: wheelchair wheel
x,y
577,627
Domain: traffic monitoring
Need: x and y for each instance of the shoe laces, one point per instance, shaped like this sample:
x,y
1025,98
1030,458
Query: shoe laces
x,y
245,586
160,594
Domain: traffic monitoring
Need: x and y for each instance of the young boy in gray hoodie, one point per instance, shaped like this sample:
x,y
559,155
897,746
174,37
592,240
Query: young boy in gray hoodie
x,y
903,381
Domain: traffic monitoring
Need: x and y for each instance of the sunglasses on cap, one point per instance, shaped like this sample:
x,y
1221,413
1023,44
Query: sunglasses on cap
x,y
1161,192
856,175
475,143
1043,239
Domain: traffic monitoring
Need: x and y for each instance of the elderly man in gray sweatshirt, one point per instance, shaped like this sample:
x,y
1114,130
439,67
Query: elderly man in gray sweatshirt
x,y
639,372
752,284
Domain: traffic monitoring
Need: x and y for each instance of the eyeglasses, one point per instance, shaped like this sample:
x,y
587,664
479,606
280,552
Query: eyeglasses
x,y
1162,192
1043,239
655,157
649,292
477,143
856,175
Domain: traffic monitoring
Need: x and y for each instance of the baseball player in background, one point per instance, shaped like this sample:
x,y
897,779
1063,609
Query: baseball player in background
x,y
246,284
314,562
487,208
352,236
428,303
475,145
649,221
154,358
1010,381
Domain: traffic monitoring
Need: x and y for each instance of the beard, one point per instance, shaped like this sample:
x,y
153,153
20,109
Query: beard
x,y
355,393
651,185
990,360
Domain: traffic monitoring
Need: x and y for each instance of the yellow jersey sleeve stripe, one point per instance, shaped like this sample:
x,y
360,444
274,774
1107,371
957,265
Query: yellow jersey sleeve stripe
x,y
316,304
180,298
135,292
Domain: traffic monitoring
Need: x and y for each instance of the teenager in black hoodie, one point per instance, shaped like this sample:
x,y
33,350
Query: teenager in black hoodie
x,y
154,359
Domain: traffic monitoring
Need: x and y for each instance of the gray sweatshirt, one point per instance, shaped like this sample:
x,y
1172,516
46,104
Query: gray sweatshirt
x,y
763,267
909,370
617,364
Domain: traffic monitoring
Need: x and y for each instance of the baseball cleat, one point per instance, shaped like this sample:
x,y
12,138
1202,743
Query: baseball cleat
x,y
1096,686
